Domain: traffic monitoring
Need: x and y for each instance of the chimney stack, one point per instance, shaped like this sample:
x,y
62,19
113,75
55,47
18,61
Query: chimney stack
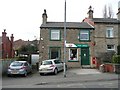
x,y
12,38
90,13
44,16
4,33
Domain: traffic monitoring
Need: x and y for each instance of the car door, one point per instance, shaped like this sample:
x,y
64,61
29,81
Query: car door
x,y
28,68
59,65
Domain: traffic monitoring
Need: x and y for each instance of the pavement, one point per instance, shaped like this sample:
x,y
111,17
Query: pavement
x,y
88,75
78,77
81,75
75,76
85,71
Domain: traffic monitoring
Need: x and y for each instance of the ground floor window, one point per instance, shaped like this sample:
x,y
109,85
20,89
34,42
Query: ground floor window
x,y
54,52
111,47
73,54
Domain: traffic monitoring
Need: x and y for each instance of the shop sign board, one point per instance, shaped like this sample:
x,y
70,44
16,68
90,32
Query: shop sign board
x,y
76,45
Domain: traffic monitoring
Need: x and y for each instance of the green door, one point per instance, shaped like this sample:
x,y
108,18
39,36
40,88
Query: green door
x,y
85,56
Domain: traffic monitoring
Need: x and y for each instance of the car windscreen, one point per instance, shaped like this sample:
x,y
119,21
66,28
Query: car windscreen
x,y
17,64
46,62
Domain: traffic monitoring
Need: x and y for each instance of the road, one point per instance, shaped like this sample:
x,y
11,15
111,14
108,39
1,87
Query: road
x,y
73,80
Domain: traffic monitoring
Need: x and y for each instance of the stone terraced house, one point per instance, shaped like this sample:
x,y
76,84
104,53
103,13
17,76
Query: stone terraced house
x,y
84,40
79,42
107,32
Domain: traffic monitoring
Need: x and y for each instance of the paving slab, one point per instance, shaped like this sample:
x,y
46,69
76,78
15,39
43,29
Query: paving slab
x,y
85,71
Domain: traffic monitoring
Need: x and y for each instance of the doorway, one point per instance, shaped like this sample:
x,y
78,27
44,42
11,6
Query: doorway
x,y
85,60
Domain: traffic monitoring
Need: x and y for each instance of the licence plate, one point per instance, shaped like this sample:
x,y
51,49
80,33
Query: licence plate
x,y
44,69
14,72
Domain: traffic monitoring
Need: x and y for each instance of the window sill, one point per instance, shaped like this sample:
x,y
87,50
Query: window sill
x,y
55,40
85,40
109,37
73,61
110,49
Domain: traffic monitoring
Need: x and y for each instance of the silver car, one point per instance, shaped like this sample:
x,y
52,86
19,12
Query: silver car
x,y
19,67
50,66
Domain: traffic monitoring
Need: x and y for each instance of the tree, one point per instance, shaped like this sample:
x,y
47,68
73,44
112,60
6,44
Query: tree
x,y
29,48
105,12
109,13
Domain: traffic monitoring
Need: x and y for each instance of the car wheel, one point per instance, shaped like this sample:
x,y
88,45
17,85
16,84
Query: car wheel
x,y
25,74
8,75
41,74
55,71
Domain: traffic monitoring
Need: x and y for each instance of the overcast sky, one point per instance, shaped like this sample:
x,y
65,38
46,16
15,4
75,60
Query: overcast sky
x,y
24,17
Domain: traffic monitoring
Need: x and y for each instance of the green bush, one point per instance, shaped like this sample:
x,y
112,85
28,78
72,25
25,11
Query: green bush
x,y
118,48
116,59
105,57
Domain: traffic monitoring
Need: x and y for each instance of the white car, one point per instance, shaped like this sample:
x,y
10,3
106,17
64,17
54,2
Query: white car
x,y
50,66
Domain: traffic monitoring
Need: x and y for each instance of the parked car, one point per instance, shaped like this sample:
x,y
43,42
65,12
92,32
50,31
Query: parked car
x,y
19,67
51,66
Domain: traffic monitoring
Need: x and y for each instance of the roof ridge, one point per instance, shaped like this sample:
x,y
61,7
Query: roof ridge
x,y
106,18
62,22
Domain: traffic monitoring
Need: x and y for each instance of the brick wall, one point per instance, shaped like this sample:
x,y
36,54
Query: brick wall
x,y
7,46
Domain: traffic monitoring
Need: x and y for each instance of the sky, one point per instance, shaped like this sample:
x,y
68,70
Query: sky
x,y
22,18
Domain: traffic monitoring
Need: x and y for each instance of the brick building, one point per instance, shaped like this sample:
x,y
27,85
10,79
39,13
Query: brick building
x,y
79,42
7,46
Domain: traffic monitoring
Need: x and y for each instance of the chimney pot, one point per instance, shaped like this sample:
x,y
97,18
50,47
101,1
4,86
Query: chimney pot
x,y
90,13
44,16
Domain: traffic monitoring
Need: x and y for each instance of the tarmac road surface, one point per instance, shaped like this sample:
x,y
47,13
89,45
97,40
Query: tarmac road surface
x,y
76,78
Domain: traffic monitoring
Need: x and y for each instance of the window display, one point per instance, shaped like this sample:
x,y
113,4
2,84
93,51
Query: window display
x,y
73,54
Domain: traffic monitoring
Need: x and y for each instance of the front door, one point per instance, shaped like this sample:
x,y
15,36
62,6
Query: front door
x,y
85,56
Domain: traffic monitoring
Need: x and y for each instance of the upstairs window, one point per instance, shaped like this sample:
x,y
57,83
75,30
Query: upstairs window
x,y
55,35
109,32
84,35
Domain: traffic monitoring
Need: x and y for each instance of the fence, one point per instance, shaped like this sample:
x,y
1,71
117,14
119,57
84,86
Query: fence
x,y
4,65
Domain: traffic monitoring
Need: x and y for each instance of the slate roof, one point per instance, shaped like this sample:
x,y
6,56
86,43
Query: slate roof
x,y
69,25
106,20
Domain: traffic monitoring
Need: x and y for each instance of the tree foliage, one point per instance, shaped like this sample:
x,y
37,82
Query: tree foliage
x,y
108,12
105,57
116,59
29,48
118,50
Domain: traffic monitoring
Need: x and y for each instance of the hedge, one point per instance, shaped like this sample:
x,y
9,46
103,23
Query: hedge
x,y
116,59
118,48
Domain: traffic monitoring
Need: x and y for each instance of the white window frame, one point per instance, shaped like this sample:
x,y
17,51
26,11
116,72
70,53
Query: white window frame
x,y
55,35
112,48
84,32
109,32
74,59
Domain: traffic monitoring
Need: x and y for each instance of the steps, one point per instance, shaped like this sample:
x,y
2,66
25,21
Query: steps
x,y
86,67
